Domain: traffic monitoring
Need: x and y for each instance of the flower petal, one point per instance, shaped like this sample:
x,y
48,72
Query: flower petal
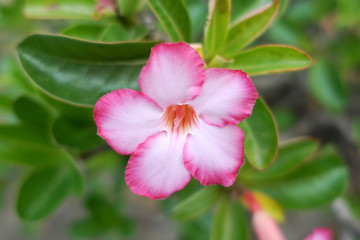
x,y
125,118
213,155
156,168
265,227
227,96
320,234
174,74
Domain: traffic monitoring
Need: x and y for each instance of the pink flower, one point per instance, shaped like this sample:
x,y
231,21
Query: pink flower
x,y
265,227
320,234
182,124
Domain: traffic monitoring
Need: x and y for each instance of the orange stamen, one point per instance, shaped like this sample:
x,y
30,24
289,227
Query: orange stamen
x,y
179,118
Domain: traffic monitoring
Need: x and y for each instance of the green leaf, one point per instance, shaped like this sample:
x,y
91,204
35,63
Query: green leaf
x,y
86,228
285,118
197,13
327,86
268,59
283,5
60,9
195,229
85,31
261,137
319,181
80,72
36,147
348,13
197,204
42,192
218,20
130,7
229,221
174,17
244,32
106,215
244,8
117,32
76,133
289,156
108,159
32,111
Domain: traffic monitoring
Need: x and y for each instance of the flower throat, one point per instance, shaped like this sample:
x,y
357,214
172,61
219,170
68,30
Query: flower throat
x,y
180,118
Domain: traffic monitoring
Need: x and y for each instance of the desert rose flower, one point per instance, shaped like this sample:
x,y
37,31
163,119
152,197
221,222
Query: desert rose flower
x,y
264,225
182,124
320,234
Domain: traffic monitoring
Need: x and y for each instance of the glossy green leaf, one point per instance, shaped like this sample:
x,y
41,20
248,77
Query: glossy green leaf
x,y
319,181
327,86
197,204
75,133
117,32
268,59
80,72
229,222
32,111
85,31
60,9
42,192
247,30
261,137
289,156
101,33
174,17
216,28
130,7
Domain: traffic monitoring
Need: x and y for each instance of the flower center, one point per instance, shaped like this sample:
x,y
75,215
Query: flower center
x,y
179,118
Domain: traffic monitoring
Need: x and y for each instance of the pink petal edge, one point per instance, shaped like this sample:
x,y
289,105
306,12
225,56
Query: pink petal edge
x,y
214,155
125,118
156,168
173,74
227,96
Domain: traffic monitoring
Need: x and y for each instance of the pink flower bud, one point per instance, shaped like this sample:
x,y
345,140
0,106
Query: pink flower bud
x,y
265,227
320,234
